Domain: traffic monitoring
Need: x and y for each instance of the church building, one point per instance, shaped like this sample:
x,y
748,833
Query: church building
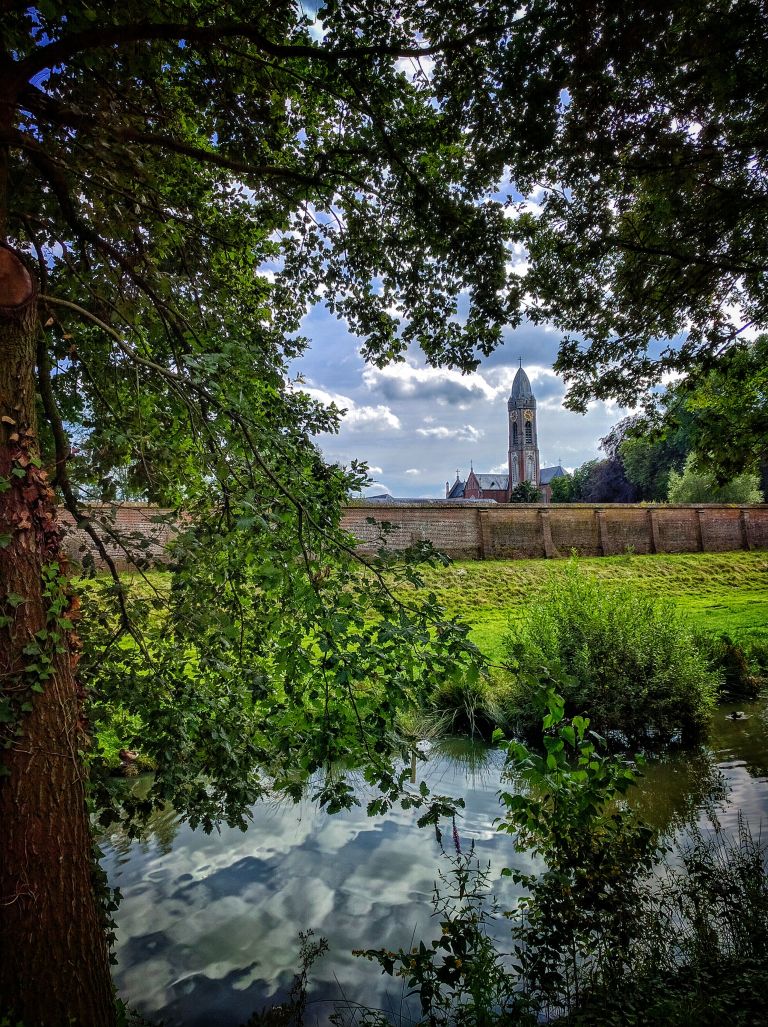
x,y
522,454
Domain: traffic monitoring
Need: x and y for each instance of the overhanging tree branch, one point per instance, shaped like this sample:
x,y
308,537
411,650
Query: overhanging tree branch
x,y
75,119
62,50
686,258
235,415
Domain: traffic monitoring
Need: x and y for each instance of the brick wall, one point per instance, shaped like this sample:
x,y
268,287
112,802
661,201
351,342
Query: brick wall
x,y
130,532
451,529
522,530
478,532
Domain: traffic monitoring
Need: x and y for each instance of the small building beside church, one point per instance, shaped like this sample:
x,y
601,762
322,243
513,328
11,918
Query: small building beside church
x,y
522,454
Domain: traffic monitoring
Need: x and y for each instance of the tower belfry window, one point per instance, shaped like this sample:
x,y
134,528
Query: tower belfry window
x,y
528,433
514,433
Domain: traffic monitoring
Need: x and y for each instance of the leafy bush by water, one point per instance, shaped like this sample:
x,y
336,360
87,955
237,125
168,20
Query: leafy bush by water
x,y
459,978
699,947
756,651
624,658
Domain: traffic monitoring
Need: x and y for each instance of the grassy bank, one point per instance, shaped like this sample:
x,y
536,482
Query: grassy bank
x,y
716,592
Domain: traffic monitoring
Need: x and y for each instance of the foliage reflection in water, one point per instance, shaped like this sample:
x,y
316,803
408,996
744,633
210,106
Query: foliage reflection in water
x,y
208,925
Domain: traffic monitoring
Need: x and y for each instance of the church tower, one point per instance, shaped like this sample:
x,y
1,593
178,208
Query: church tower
x,y
523,443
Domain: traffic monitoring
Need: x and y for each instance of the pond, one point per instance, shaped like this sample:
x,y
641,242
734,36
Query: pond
x,y
208,924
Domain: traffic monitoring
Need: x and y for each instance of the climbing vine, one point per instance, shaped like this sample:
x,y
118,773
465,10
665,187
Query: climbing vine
x,y
57,637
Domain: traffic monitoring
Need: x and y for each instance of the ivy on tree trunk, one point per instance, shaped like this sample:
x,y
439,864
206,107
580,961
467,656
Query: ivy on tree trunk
x,y
51,925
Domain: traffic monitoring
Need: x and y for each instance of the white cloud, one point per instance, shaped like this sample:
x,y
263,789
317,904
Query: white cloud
x,y
467,433
379,417
519,264
448,387
416,67
375,470
444,385
741,323
530,205
413,471
376,488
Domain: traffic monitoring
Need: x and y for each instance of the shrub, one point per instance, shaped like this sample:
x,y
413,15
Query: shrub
x,y
623,658
699,945
459,977
756,651
699,486
525,492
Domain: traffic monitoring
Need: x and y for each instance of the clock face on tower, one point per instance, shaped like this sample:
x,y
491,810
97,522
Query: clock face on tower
x,y
528,415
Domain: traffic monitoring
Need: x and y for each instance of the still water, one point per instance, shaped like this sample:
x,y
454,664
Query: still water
x,y
208,925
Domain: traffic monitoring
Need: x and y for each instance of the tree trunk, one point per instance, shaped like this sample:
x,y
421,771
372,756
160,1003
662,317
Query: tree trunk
x,y
54,966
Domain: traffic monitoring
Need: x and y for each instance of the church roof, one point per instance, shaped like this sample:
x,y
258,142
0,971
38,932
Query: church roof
x,y
492,481
522,393
546,474
487,482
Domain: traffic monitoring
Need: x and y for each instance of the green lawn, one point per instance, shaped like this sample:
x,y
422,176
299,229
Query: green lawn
x,y
717,592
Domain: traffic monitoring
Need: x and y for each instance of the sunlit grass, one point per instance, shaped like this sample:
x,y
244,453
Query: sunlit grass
x,y
716,592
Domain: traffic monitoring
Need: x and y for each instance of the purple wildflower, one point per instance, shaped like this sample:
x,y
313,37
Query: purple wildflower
x,y
456,839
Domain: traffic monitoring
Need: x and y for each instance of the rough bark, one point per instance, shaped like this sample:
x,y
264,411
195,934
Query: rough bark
x,y
54,966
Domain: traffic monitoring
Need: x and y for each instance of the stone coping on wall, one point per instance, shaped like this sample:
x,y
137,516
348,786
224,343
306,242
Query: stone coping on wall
x,y
455,504
491,504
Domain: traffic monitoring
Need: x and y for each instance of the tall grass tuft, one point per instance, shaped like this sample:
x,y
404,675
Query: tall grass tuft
x,y
464,708
621,657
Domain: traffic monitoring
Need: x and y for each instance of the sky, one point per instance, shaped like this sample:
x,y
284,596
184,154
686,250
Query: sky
x,y
416,426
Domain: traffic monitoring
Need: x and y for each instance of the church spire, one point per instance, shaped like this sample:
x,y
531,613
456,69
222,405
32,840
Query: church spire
x,y
523,440
522,393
